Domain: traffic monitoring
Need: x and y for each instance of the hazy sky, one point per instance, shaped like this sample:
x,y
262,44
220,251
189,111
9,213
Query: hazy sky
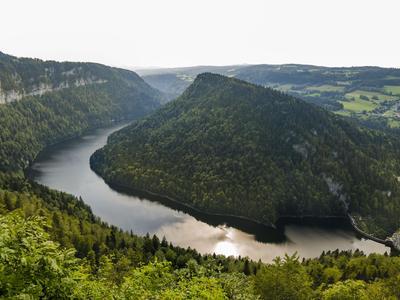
x,y
215,32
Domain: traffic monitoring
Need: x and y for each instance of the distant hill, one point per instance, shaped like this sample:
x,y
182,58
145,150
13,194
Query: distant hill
x,y
173,81
371,95
230,147
44,102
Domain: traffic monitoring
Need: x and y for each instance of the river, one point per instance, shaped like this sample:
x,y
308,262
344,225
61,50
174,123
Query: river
x,y
65,167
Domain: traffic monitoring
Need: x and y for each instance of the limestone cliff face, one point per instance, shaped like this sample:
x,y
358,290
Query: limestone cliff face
x,y
9,96
69,79
22,77
45,102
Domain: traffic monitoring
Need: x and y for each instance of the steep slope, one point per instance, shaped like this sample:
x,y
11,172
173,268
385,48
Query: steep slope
x,y
21,77
45,102
227,146
369,95
81,257
48,104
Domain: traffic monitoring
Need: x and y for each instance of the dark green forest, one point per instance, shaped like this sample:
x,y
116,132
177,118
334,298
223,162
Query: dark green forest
x,y
29,125
53,247
368,95
227,146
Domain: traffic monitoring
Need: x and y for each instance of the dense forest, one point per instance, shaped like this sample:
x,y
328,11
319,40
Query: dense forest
x,y
368,95
21,77
53,247
36,121
227,146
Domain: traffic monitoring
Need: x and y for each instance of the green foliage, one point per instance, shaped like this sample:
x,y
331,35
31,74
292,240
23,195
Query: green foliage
x,y
324,86
355,289
285,279
33,266
30,263
35,122
351,289
159,281
53,247
230,147
73,225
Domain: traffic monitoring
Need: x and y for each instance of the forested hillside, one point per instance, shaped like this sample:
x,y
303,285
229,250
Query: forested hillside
x,y
53,247
227,146
21,77
79,96
369,95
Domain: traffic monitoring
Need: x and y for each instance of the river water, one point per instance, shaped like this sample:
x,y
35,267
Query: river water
x,y
66,167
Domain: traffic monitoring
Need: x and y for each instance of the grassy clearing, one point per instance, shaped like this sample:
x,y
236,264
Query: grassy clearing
x,y
381,97
393,123
313,95
326,88
359,105
394,89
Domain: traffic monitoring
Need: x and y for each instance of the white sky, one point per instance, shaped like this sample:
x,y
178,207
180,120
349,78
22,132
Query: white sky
x,y
169,33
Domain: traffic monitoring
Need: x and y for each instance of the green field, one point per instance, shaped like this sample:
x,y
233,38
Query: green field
x,y
359,105
394,89
313,95
381,97
362,108
394,123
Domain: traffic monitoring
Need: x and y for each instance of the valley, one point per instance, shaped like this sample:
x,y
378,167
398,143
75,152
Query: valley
x,y
199,150
57,168
256,156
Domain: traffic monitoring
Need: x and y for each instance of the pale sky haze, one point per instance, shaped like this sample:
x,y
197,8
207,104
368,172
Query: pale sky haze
x,y
171,33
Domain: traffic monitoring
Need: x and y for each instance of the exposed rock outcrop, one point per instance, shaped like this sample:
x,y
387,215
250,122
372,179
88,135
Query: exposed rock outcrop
x,y
43,88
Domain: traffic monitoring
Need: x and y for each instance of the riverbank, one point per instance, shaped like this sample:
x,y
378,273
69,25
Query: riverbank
x,y
223,218
66,168
386,242
120,123
274,233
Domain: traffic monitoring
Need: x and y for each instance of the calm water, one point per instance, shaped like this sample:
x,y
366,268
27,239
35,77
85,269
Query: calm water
x,y
66,167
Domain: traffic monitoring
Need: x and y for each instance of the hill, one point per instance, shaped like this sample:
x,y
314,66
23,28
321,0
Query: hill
x,y
227,146
369,95
52,246
44,102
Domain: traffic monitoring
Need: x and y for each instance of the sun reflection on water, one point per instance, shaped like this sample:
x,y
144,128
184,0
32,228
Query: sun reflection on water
x,y
226,246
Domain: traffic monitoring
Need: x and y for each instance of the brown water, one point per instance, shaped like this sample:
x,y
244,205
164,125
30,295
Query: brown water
x,y
66,167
